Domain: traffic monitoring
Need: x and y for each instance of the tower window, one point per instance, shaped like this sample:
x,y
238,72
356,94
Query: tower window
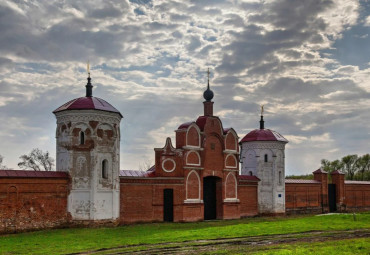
x,y
250,173
82,137
104,169
280,177
266,158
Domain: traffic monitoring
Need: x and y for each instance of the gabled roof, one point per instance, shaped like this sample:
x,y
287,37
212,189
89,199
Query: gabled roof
x,y
319,171
32,174
263,135
87,103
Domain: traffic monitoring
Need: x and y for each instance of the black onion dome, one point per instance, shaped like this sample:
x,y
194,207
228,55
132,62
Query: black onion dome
x,y
208,94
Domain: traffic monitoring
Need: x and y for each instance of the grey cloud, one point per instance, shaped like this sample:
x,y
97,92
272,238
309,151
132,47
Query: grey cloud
x,y
194,43
107,12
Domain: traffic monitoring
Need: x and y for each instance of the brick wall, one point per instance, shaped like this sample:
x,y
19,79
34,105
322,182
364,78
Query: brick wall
x,y
29,203
356,196
303,197
141,200
247,194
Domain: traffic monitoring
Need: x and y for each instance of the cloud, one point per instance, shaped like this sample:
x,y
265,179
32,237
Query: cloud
x,y
149,60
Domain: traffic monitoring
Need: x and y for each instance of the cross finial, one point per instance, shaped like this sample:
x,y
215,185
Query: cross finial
x,y
262,110
88,68
208,74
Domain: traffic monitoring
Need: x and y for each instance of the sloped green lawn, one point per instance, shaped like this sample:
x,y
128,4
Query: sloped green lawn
x,y
77,240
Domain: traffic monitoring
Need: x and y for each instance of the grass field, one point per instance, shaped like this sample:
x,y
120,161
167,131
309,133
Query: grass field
x,y
357,246
63,241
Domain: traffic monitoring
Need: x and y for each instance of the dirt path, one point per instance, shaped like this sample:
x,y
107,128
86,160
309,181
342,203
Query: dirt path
x,y
199,246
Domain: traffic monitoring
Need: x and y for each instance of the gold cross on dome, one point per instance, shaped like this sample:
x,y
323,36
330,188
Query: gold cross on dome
x,y
208,73
262,109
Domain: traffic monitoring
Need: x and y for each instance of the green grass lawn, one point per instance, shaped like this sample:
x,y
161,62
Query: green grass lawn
x,y
357,246
77,240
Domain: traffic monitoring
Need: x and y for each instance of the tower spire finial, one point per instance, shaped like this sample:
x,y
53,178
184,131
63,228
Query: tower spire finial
x,y
88,68
208,94
262,122
208,77
88,85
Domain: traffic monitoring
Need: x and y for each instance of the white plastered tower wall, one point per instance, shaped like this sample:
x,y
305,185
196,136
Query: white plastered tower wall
x,y
92,196
271,188
263,155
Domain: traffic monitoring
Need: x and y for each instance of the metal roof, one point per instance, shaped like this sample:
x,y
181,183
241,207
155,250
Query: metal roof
x,y
301,181
249,178
263,135
87,103
357,182
32,174
136,173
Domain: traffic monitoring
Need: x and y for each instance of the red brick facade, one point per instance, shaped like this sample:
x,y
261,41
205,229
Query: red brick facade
x,y
312,196
204,152
33,202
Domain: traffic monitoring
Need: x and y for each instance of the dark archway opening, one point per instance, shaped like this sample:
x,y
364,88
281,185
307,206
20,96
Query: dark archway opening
x,y
212,196
332,198
168,205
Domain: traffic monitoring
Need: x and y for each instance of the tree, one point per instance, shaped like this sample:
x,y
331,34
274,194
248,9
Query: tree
x,y
1,163
350,165
330,166
363,165
37,160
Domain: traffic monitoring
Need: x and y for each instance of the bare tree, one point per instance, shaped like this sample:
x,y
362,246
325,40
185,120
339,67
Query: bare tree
x,y
37,160
1,163
143,166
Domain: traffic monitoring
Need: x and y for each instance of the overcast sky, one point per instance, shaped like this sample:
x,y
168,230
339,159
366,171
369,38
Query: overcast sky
x,y
307,61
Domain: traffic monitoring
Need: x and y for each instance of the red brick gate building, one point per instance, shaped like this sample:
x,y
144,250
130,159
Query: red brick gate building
x,y
196,179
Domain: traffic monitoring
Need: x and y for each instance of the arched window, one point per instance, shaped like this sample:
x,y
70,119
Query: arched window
x,y
82,137
104,169
266,158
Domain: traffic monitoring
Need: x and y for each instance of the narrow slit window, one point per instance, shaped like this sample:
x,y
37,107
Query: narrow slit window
x,y
280,177
104,169
266,158
82,137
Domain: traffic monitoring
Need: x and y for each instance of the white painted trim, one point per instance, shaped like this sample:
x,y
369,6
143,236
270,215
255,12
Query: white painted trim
x,y
231,170
186,185
192,167
174,165
187,155
105,123
236,187
236,161
231,200
193,201
187,131
230,152
190,147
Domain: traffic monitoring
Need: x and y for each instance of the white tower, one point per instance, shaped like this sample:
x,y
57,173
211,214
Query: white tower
x,y
88,147
263,155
